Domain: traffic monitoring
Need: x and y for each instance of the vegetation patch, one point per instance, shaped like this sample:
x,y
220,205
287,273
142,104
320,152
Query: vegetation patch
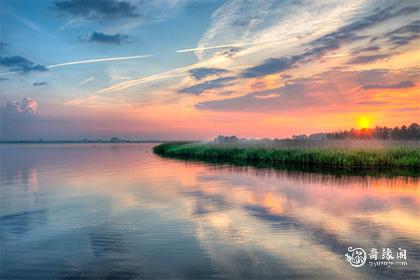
x,y
325,155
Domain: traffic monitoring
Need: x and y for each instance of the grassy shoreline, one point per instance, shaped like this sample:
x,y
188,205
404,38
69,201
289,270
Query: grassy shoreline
x,y
407,157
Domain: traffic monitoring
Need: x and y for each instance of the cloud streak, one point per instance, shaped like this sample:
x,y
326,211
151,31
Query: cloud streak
x,y
90,79
403,84
118,14
271,66
203,72
233,45
180,71
332,88
320,47
363,59
208,85
32,25
111,9
405,34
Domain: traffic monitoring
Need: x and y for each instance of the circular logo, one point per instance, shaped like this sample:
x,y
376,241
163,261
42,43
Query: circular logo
x,y
356,257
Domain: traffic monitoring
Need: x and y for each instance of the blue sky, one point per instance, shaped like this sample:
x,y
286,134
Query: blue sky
x,y
39,31
193,69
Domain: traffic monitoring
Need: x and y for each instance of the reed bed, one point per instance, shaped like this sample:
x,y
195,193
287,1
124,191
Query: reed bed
x,y
322,153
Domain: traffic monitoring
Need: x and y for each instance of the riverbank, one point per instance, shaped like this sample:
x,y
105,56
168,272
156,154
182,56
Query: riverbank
x,y
303,154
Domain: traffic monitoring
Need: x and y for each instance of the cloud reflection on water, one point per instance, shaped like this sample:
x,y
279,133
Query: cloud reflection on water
x,y
123,202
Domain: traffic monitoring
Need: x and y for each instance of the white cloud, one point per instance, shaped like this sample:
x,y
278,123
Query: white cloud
x,y
284,23
28,105
16,117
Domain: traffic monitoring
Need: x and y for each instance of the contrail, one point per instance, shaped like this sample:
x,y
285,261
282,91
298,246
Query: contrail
x,y
167,74
90,79
98,60
225,46
85,62
177,72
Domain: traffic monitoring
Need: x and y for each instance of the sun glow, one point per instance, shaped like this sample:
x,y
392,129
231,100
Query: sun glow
x,y
363,122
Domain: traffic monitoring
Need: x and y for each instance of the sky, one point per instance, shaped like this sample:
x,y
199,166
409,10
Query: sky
x,y
185,69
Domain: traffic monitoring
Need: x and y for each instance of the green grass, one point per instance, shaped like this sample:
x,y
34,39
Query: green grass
x,y
326,155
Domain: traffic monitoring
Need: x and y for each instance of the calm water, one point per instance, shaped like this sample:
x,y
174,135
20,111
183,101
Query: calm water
x,y
78,211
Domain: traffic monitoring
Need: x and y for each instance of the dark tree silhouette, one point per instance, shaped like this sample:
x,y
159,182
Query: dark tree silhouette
x,y
398,133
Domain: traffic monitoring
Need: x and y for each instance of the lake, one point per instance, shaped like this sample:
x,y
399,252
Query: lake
x,y
118,211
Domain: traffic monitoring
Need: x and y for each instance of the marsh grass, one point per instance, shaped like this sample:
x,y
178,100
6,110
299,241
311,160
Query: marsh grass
x,y
362,153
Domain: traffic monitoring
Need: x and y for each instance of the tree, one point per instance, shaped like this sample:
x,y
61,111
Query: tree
x,y
404,133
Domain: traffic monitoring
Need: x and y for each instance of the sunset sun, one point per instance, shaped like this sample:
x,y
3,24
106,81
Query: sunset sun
x,y
363,122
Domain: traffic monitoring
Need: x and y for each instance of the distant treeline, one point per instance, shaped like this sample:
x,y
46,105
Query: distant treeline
x,y
411,132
